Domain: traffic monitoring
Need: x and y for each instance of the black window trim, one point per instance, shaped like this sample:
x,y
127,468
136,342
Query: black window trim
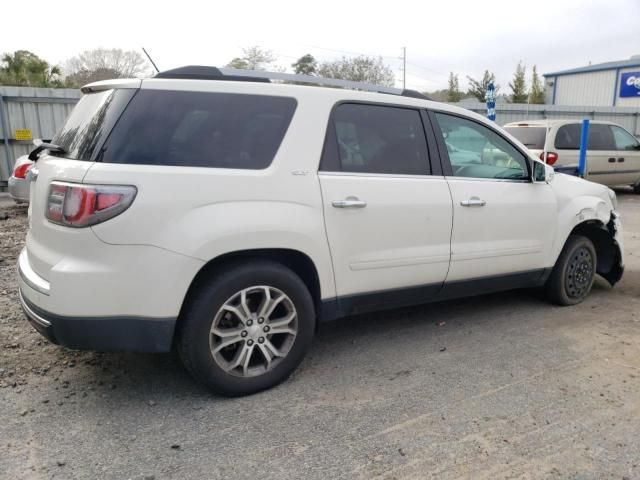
x,y
434,167
444,153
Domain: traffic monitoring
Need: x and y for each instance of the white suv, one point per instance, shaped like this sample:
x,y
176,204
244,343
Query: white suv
x,y
226,215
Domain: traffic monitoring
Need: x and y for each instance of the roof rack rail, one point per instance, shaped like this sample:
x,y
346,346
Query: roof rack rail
x,y
197,72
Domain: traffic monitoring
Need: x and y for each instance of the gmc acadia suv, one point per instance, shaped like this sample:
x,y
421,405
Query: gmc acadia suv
x,y
224,214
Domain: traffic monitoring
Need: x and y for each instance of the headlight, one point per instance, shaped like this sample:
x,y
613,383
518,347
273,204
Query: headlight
x,y
613,198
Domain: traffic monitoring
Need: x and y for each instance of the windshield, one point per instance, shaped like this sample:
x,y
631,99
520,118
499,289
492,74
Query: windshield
x,y
531,137
90,122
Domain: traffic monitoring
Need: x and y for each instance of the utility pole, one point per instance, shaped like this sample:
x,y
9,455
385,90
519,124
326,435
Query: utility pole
x,y
404,68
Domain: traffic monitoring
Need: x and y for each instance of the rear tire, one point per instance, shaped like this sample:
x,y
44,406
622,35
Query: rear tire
x,y
246,328
574,272
636,188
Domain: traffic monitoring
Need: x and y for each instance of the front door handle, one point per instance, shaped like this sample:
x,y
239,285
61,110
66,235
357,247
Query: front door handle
x,y
473,202
349,202
621,159
612,160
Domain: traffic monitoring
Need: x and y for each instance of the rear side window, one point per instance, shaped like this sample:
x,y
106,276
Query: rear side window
x,y
376,139
199,129
568,137
91,121
600,137
530,137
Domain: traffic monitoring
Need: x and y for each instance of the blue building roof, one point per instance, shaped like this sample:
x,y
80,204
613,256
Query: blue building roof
x,y
631,62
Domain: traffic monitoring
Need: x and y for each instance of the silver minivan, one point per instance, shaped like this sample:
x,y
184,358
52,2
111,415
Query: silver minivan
x,y
613,154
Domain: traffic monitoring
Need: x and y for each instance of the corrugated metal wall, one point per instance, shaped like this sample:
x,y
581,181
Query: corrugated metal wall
x,y
599,88
593,88
509,112
41,110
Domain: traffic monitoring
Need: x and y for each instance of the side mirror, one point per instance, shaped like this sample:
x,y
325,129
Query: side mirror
x,y
542,172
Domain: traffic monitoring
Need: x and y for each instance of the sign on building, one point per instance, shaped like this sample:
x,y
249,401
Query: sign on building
x,y
630,84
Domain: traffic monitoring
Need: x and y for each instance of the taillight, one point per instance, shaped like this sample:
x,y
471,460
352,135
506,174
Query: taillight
x,y
552,157
21,170
76,205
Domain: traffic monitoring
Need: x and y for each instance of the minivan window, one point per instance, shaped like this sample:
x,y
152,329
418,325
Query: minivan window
x,y
199,129
376,139
600,137
530,137
90,122
624,140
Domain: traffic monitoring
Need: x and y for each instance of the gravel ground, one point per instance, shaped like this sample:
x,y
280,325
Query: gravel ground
x,y
498,386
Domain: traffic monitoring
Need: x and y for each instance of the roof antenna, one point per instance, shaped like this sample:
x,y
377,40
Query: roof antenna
x,y
152,62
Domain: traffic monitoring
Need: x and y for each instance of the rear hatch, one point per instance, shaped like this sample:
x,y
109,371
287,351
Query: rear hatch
x,y
81,138
532,136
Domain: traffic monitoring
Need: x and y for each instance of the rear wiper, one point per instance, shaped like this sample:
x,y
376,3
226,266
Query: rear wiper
x,y
35,153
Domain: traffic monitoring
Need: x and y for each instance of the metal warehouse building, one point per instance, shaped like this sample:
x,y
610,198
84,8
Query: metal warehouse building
x,y
612,84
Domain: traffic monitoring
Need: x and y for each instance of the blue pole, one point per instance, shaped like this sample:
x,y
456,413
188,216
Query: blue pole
x,y
584,136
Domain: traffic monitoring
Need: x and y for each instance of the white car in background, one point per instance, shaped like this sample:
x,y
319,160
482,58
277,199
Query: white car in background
x,y
19,180
226,217
613,154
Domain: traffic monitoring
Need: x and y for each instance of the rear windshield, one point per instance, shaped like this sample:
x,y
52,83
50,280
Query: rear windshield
x,y
90,122
531,137
199,129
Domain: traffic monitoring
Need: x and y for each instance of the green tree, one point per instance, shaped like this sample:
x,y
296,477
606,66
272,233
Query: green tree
x,y
104,64
537,91
253,58
305,65
519,85
454,94
359,69
478,88
23,68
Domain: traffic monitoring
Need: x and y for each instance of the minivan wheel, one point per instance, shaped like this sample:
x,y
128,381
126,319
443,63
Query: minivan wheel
x,y
574,272
246,328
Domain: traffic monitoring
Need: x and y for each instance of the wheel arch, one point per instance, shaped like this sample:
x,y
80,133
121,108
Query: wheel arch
x,y
300,263
607,250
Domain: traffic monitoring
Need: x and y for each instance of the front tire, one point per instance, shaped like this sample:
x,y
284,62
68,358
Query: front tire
x,y
246,328
574,272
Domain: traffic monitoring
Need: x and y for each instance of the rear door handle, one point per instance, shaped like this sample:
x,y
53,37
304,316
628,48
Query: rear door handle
x,y
349,202
473,202
621,159
612,160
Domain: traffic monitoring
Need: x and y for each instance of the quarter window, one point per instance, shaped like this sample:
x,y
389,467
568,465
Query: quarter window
x,y
624,140
199,129
376,139
477,151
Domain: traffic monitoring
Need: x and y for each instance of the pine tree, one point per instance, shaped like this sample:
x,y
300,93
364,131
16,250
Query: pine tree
x,y
478,88
519,85
454,94
537,91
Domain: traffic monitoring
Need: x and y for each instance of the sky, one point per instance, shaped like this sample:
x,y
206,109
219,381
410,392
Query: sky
x,y
460,36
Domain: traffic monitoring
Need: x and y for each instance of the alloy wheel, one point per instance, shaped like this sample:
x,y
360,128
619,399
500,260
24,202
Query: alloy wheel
x,y
253,331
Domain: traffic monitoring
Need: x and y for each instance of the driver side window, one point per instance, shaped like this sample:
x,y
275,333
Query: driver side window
x,y
478,152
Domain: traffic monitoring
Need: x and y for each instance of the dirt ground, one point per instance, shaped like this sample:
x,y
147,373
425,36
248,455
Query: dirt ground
x,y
493,387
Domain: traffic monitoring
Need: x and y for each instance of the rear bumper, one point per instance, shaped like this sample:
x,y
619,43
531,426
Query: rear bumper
x,y
19,189
104,334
